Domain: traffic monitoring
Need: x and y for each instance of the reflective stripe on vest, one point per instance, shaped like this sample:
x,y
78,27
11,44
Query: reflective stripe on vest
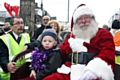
x,y
8,45
25,37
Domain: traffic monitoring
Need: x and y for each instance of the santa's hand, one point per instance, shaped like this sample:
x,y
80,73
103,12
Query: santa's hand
x,y
88,76
77,45
71,41
72,44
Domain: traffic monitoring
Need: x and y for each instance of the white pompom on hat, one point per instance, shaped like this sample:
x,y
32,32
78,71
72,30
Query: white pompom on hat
x,y
82,9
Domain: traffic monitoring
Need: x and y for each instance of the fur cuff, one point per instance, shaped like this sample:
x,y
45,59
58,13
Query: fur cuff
x,y
76,71
100,68
64,69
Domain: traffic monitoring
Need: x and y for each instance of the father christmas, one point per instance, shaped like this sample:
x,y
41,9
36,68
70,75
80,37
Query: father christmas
x,y
87,37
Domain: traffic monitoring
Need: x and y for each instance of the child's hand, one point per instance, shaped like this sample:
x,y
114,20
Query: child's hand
x,y
33,74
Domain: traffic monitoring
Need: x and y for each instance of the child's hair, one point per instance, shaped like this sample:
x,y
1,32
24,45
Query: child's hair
x,y
58,25
49,31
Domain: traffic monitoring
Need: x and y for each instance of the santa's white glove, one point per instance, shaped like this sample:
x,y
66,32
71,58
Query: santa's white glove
x,y
77,45
88,76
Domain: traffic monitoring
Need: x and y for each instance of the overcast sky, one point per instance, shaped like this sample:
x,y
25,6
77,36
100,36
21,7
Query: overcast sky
x,y
103,9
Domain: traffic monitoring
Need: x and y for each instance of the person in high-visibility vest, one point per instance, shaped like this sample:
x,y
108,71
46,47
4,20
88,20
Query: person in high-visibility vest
x,y
116,33
11,44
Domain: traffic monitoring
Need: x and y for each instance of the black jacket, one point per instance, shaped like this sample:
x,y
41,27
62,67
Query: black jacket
x,y
38,31
52,62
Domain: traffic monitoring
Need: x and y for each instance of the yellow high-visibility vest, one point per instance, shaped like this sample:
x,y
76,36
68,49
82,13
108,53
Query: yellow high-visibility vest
x,y
14,48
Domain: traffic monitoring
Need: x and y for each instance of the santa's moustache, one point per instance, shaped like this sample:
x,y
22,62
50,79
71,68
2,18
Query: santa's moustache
x,y
86,31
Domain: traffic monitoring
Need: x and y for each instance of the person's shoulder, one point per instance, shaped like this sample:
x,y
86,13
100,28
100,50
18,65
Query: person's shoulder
x,y
2,38
42,25
40,28
57,49
5,34
103,32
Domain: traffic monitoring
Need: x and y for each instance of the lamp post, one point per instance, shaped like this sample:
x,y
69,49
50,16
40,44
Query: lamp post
x,y
42,8
68,10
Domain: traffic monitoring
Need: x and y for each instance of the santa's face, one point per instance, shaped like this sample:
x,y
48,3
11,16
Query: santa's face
x,y
84,21
85,28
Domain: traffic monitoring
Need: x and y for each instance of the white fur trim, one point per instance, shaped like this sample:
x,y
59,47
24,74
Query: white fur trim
x,y
76,71
81,11
100,68
64,69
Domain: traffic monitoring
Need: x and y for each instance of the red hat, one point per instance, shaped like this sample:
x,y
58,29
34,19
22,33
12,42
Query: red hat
x,y
79,11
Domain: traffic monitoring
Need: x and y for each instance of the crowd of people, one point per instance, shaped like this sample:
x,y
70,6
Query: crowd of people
x,y
52,56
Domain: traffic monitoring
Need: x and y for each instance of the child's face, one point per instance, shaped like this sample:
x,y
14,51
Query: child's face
x,y
48,42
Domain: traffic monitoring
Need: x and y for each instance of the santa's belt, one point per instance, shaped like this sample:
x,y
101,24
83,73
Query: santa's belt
x,y
82,57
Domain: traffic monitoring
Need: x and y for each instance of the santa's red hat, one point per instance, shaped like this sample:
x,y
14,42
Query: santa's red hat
x,y
79,11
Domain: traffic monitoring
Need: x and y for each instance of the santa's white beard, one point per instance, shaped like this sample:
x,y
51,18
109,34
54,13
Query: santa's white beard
x,y
85,31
